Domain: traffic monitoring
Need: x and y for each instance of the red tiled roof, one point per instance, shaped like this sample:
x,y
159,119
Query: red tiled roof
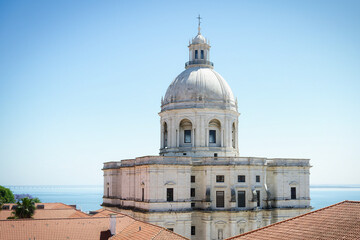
x,y
51,210
87,228
167,234
48,205
66,228
55,205
141,230
338,221
105,213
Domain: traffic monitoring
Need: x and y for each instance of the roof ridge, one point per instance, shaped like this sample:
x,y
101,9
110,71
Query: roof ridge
x,y
289,219
52,209
81,212
126,227
157,234
147,223
162,229
54,219
351,201
125,215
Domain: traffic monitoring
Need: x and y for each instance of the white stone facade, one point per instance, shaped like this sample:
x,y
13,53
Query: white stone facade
x,y
126,181
199,122
199,186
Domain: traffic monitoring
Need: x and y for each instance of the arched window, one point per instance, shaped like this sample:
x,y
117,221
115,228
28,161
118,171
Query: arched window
x,y
202,54
233,136
185,133
165,136
196,54
214,133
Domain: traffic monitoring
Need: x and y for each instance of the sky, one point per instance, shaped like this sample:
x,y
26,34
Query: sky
x,y
81,82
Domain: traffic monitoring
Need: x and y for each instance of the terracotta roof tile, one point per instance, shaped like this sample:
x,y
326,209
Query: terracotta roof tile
x,y
44,229
105,213
55,205
168,235
338,221
51,210
140,230
88,228
78,214
48,205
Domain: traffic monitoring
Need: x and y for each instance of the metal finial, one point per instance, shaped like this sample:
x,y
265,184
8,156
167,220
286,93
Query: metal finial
x,y
199,18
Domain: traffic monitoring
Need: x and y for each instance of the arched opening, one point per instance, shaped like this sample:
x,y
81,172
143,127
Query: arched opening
x,y
233,136
108,190
214,133
186,136
165,135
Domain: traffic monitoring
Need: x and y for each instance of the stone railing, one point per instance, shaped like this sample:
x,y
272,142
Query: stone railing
x,y
162,160
228,161
199,62
288,162
199,161
112,165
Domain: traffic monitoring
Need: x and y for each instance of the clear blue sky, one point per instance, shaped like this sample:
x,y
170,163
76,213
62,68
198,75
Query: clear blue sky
x,y
81,81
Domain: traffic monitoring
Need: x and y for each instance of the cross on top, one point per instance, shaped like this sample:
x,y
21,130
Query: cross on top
x,y
199,18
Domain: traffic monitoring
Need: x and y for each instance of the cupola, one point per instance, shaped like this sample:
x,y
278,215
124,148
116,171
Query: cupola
x,y
199,51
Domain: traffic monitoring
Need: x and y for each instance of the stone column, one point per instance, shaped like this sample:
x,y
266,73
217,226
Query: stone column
x,y
161,135
193,137
222,136
175,133
172,130
207,137
201,132
196,132
232,223
226,135
236,134
252,224
207,232
229,129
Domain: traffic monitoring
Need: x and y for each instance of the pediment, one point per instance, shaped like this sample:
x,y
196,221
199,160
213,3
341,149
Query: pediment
x,y
220,222
241,221
170,183
169,223
293,183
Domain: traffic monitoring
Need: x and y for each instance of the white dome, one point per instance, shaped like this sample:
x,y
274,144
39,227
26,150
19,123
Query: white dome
x,y
199,39
199,87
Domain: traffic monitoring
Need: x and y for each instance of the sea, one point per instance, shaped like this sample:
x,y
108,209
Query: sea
x,y
89,197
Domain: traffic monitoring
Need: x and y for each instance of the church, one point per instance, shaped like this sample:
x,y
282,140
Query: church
x,y
199,186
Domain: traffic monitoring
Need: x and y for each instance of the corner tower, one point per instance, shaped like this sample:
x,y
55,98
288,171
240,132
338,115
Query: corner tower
x,y
199,116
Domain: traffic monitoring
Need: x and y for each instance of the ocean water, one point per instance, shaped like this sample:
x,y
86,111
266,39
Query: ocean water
x,y
323,196
86,198
89,198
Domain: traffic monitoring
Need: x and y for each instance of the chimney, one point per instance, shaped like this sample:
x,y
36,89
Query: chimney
x,y
113,224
